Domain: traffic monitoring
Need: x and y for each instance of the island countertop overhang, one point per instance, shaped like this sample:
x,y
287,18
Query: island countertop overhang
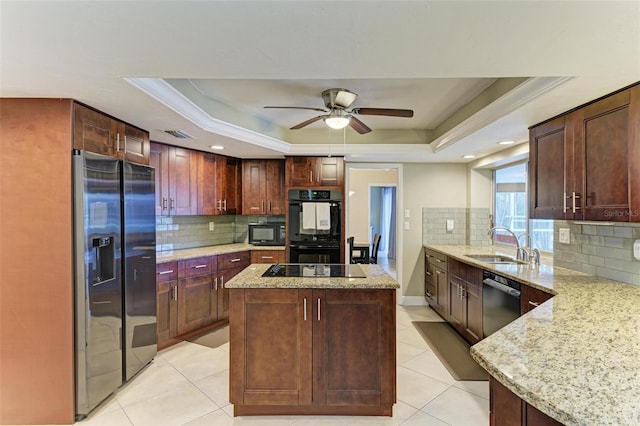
x,y
251,277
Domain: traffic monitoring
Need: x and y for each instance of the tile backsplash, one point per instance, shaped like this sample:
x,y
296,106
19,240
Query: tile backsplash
x,y
602,250
181,232
470,226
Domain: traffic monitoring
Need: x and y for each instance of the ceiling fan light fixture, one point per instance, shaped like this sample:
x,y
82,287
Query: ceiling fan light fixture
x,y
337,123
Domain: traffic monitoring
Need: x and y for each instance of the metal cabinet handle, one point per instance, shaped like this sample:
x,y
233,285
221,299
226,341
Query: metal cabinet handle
x,y
429,273
219,205
428,294
172,203
310,175
438,261
199,266
174,292
235,260
216,283
117,142
267,257
164,203
574,196
536,304
165,272
305,308
318,309
269,206
262,204
222,282
564,202
225,205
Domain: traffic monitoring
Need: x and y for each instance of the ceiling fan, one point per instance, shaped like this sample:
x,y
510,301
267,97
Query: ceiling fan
x,y
338,117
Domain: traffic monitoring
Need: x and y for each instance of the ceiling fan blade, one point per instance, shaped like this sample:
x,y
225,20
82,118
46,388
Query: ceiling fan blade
x,y
294,107
306,123
384,111
359,126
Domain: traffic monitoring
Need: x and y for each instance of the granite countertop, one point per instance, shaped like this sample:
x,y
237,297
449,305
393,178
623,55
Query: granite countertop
x,y
171,255
251,277
577,356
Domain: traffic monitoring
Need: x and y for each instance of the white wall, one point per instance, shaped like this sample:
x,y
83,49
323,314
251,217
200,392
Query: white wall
x,y
359,198
425,185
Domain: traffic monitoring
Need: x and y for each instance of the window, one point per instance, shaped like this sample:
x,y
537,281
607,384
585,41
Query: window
x,y
510,210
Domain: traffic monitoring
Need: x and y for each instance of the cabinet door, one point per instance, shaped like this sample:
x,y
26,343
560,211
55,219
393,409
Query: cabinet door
x,y
166,310
548,154
430,289
183,177
159,159
531,298
267,256
93,131
206,184
603,133
442,293
271,347
473,300
254,182
505,407
228,185
276,200
329,171
197,304
135,145
300,171
344,323
634,154
456,303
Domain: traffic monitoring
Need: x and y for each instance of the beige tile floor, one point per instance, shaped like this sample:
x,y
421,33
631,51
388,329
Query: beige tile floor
x,y
187,384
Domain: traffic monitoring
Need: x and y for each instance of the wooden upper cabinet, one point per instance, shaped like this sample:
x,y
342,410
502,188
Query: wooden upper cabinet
x,y
586,164
547,159
263,184
206,184
93,131
228,185
315,171
99,133
176,180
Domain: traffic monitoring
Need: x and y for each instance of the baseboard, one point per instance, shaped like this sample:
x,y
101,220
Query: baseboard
x,y
412,301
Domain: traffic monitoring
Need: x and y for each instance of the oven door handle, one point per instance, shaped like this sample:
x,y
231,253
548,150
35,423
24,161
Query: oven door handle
x,y
501,287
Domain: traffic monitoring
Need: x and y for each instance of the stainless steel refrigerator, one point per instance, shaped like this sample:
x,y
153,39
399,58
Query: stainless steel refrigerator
x,y
115,290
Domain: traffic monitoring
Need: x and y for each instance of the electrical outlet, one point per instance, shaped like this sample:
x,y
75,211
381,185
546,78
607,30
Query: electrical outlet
x,y
636,250
212,226
564,236
449,225
407,213
406,226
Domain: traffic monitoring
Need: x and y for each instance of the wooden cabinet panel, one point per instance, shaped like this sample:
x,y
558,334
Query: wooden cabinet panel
x,y
276,198
167,316
300,351
507,409
176,180
234,260
547,159
254,182
597,146
197,303
229,265
465,300
344,322
136,145
93,131
436,283
228,185
206,184
267,256
315,171
531,298
430,288
271,347
197,266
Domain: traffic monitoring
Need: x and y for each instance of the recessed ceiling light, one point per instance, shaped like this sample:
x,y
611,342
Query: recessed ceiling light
x,y
506,143
469,156
217,147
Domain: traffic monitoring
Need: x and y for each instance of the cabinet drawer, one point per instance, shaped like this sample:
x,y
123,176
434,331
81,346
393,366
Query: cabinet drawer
x,y
233,260
166,271
267,256
196,266
531,297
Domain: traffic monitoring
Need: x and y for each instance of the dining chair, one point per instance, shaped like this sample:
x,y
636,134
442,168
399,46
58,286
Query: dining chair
x,y
374,252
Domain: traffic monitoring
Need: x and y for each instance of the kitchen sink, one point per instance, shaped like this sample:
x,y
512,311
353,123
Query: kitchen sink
x,y
488,258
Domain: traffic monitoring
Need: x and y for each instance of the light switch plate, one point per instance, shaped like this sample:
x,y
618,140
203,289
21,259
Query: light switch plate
x,y
406,226
565,236
636,250
212,226
449,225
407,213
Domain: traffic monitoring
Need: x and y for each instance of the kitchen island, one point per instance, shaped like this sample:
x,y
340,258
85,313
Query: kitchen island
x,y
312,344
575,357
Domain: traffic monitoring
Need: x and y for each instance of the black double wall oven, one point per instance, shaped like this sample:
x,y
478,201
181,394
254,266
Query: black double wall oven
x,y
314,226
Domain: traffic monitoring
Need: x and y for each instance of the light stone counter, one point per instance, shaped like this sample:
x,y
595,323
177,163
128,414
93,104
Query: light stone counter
x,y
170,255
577,356
251,277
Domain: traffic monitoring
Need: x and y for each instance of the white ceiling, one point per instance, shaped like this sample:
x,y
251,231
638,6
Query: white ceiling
x,y
208,68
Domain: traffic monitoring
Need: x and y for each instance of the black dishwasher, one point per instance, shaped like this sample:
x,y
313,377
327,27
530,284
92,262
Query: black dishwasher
x,y
500,302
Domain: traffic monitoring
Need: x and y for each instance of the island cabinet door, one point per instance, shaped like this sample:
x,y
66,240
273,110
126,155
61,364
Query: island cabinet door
x,y
270,343
354,347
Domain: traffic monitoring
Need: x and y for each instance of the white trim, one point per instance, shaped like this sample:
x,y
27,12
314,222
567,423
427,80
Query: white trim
x,y
509,102
412,301
173,99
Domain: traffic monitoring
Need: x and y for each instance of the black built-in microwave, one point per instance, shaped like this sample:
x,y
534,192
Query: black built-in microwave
x,y
267,234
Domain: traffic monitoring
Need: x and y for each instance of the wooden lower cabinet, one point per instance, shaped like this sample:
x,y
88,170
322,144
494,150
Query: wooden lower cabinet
x,y
507,409
302,351
465,300
166,294
267,256
530,298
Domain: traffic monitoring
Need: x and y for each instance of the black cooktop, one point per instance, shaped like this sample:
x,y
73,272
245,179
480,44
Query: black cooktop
x,y
317,270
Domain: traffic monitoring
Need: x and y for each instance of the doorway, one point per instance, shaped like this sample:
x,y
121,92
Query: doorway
x,y
382,220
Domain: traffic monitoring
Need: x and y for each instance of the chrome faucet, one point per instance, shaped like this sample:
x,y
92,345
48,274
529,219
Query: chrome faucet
x,y
533,254
519,250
